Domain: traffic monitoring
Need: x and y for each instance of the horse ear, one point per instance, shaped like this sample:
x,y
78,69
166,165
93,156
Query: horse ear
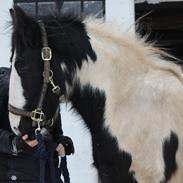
x,y
24,26
19,18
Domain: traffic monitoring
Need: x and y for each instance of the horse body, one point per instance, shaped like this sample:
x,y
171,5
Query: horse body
x,y
143,99
129,97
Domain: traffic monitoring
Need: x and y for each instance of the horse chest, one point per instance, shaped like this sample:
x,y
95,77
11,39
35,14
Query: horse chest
x,y
108,159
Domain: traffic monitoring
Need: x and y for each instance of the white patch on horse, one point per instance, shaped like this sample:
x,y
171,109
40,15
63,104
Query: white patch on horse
x,y
68,87
144,98
16,97
63,67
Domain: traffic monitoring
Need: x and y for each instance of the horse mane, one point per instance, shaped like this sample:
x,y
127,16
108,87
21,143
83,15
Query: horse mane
x,y
148,52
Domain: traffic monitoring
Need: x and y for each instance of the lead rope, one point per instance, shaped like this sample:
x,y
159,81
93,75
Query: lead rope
x,y
62,165
46,154
64,170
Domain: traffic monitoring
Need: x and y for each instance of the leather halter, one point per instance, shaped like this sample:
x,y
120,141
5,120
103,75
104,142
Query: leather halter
x,y
38,117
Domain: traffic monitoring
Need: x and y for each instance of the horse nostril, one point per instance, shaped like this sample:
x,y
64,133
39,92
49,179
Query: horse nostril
x,y
11,11
15,128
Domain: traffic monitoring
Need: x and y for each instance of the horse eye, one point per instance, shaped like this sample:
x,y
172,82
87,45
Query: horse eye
x,y
20,65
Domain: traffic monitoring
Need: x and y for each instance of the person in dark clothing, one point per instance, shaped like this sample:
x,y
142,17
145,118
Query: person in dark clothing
x,y
18,162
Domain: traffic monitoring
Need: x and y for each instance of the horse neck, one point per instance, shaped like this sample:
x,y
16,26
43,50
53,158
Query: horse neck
x,y
105,80
114,67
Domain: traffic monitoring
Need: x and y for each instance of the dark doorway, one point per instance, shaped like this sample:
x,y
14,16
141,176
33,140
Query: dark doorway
x,y
164,24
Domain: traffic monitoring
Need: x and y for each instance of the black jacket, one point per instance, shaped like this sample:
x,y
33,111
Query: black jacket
x,y
23,167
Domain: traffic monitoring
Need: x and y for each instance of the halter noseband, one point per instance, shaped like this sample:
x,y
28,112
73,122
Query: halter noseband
x,y
38,117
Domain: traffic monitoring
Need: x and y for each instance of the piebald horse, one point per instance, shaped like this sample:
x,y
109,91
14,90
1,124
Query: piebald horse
x,y
129,96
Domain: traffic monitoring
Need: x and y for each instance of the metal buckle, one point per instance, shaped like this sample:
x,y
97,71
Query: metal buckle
x,y
46,53
56,90
38,115
37,130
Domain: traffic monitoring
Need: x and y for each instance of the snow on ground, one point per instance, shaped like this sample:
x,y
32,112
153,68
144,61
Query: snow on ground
x,y
80,164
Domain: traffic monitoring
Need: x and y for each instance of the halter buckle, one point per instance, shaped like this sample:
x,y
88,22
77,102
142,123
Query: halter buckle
x,y
46,53
38,115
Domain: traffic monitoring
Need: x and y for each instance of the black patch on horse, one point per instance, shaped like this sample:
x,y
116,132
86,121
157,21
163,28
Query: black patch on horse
x,y
113,165
170,147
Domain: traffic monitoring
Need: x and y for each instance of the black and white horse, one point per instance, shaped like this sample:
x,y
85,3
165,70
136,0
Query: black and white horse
x,y
131,99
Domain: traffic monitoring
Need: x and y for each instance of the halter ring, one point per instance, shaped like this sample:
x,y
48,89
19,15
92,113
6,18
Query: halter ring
x,y
38,115
37,130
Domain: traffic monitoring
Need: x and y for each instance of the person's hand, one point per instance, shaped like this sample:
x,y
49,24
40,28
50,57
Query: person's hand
x,y
61,150
23,144
31,143
68,145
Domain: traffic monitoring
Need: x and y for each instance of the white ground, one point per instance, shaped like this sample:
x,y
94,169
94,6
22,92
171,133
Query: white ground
x,y
80,164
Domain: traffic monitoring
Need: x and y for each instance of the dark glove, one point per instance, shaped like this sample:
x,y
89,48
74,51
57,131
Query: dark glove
x,y
19,145
68,144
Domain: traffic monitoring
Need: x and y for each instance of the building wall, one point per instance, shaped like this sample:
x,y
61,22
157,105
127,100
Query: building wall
x,y
5,32
121,12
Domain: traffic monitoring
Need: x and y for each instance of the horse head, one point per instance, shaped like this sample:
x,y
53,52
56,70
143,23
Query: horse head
x,y
27,70
64,35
